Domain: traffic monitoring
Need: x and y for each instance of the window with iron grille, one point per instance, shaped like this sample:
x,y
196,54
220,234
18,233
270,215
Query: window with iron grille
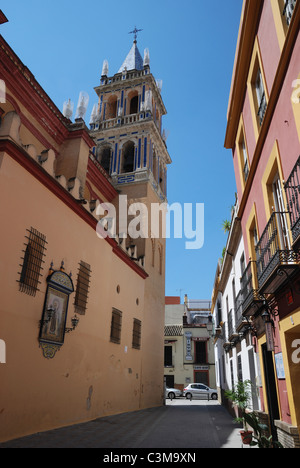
x,y
136,334
82,287
32,262
116,325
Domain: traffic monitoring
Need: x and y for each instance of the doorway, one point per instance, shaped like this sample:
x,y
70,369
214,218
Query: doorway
x,y
201,377
270,383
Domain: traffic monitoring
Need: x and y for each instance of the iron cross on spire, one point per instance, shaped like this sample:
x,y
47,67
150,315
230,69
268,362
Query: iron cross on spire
x,y
135,31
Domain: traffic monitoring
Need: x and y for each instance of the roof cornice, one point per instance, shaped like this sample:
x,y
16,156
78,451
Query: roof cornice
x,y
248,29
3,18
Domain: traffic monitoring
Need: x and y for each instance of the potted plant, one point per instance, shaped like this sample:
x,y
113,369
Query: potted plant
x,y
240,396
260,439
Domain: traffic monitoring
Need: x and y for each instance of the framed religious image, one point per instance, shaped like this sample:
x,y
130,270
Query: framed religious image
x,y
54,316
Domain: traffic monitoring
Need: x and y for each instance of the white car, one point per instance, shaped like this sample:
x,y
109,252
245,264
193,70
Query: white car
x,y
173,393
198,390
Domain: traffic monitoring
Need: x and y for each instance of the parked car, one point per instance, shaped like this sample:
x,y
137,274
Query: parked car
x,y
200,391
173,393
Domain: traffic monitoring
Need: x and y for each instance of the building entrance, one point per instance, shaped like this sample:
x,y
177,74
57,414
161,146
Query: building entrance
x,y
201,377
293,350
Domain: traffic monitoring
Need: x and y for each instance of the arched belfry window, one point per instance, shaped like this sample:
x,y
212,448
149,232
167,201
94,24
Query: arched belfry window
x,y
111,108
104,154
134,103
128,157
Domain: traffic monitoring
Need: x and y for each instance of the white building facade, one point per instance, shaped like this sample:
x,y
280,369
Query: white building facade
x,y
235,354
189,348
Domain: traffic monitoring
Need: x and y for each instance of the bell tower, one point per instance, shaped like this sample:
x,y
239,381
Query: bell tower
x,y
127,128
127,124
130,145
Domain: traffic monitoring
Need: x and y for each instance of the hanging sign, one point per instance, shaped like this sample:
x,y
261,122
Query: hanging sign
x,y
269,336
188,356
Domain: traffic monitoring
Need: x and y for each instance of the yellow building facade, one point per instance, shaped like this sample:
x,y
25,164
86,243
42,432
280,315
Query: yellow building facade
x,y
81,315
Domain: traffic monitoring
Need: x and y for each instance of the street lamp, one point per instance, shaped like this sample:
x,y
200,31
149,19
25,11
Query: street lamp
x,y
209,325
268,329
74,321
266,317
48,317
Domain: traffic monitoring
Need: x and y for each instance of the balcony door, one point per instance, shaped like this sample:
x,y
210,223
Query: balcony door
x,y
281,215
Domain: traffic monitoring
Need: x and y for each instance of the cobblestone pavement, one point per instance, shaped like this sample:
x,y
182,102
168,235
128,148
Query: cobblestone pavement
x,y
180,424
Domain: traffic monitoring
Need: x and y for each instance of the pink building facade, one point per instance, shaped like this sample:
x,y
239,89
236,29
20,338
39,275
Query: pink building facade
x,y
263,133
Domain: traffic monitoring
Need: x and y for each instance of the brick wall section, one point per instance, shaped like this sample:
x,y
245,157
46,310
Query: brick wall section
x,y
288,435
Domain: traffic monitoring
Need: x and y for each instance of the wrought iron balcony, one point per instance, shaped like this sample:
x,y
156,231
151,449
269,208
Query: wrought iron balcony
x,y
292,190
240,320
251,300
232,332
288,10
274,254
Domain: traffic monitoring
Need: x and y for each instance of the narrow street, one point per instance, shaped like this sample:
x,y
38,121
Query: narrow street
x,y
181,424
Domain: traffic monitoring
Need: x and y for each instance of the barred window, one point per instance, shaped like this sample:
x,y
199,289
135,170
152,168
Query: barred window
x,y
136,334
82,288
32,262
116,325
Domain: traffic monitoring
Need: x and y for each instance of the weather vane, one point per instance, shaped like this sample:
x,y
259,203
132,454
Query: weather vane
x,y
135,31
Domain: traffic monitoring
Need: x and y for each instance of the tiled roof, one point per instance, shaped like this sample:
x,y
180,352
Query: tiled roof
x,y
133,60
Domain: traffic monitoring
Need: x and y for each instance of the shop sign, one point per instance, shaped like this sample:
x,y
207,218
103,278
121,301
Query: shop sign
x,y
201,368
188,356
269,336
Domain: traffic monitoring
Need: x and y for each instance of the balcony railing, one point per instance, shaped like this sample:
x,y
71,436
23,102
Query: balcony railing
x,y
251,300
292,190
274,253
288,10
232,327
240,320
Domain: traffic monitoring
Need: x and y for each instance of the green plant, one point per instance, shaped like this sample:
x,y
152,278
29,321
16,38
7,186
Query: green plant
x,y
241,396
259,438
226,225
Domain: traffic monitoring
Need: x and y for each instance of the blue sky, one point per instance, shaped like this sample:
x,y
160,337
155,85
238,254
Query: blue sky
x,y
192,47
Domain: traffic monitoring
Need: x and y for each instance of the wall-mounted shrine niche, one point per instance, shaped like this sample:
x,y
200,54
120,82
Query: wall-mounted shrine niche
x,y
53,323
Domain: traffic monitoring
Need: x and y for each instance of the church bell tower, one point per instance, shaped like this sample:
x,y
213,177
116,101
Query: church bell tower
x,y
127,128
130,145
